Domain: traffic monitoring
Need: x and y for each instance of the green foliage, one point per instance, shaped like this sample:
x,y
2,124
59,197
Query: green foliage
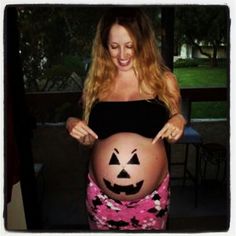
x,y
55,76
221,62
185,63
194,62
75,63
202,25
53,37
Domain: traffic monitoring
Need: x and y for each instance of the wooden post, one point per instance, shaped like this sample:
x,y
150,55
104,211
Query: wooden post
x,y
167,41
17,127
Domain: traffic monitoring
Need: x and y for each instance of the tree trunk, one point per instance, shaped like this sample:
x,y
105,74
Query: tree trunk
x,y
200,50
214,62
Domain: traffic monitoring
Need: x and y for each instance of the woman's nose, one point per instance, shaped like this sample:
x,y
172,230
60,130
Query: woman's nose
x,y
123,53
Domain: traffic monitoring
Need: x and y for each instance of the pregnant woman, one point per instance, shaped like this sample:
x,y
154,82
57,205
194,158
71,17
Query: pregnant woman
x,y
131,104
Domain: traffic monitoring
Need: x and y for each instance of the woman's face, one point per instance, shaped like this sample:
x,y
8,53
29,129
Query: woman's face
x,y
121,48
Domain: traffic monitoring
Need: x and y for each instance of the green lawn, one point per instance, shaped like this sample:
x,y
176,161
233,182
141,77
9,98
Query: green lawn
x,y
204,77
201,76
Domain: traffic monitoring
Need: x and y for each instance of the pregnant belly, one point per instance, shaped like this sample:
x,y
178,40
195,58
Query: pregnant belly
x,y
127,166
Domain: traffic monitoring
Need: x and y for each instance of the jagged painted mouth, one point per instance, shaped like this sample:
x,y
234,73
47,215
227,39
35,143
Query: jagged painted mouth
x,y
127,189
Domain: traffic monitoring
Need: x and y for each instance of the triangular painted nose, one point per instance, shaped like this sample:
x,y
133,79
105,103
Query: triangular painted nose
x,y
123,174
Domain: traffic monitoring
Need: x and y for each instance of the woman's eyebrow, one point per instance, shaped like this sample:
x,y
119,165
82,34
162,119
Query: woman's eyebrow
x,y
116,150
134,150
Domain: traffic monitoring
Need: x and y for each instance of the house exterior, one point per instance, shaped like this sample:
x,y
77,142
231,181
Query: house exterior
x,y
189,51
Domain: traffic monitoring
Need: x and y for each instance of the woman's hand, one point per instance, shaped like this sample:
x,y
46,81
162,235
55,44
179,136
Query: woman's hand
x,y
79,130
172,130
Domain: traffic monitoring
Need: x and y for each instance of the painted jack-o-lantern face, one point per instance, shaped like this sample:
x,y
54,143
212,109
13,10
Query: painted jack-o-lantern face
x,y
126,166
123,174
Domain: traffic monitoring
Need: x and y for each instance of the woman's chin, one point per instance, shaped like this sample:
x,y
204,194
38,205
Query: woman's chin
x,y
125,68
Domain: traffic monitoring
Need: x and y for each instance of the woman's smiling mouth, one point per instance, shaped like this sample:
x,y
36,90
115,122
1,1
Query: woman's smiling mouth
x,y
124,62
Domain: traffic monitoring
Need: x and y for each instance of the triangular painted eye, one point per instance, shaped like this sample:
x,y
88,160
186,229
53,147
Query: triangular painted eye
x,y
134,160
114,160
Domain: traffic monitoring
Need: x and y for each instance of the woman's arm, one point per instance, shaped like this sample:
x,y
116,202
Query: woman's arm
x,y
173,129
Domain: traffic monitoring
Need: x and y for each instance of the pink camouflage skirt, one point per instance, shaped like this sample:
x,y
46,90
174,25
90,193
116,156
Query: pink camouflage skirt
x,y
149,213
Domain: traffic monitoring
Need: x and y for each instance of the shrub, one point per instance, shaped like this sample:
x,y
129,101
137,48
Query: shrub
x,y
185,63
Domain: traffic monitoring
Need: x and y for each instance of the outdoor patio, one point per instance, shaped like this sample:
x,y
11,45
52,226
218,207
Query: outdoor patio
x,y
62,181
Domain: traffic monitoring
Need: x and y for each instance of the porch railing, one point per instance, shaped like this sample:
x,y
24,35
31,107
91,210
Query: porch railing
x,y
56,106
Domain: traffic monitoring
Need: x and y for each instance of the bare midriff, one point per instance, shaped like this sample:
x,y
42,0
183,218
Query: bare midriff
x,y
127,166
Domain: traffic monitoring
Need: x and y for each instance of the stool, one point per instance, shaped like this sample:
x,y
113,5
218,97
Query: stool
x,y
215,154
190,137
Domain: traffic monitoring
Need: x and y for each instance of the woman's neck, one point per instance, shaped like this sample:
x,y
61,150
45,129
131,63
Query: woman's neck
x,y
125,86
126,75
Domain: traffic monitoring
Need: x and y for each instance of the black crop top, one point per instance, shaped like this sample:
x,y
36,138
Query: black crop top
x,y
144,117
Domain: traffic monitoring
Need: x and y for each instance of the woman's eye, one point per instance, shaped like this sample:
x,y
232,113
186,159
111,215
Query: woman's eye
x,y
130,45
114,47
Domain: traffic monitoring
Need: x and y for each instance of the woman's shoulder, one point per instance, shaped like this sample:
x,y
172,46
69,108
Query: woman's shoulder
x,y
169,75
170,79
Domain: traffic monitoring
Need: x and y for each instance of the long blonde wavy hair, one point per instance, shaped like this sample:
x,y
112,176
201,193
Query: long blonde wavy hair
x,y
149,66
